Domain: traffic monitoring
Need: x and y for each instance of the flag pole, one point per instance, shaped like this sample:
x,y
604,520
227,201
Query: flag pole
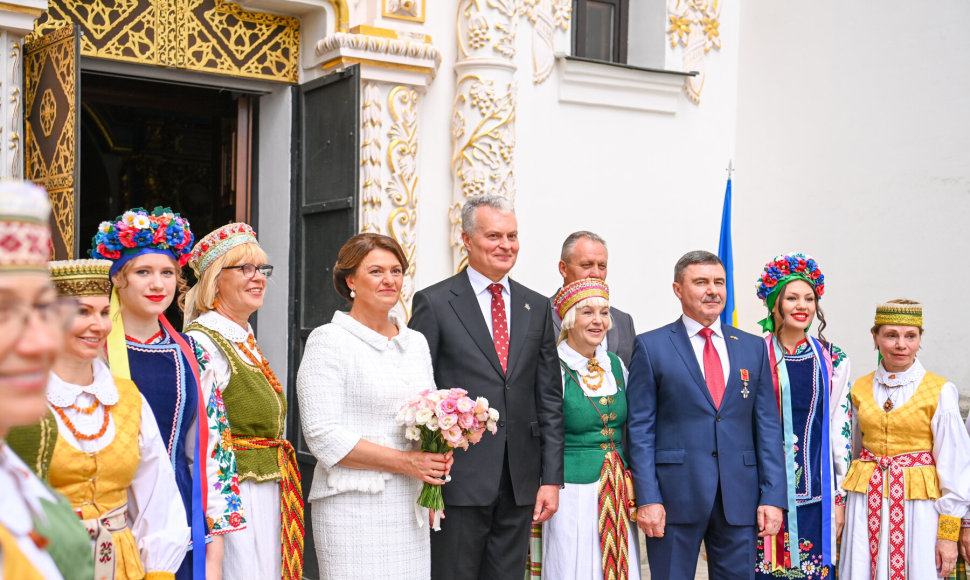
x,y
725,252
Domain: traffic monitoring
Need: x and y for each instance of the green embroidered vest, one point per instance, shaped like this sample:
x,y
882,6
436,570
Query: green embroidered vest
x,y
254,409
35,444
587,440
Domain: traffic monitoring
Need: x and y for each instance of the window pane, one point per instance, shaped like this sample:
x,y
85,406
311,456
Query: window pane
x,y
599,30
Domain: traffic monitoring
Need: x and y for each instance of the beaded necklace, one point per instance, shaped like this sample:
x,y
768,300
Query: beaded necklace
x,y
262,364
150,340
596,373
85,410
70,426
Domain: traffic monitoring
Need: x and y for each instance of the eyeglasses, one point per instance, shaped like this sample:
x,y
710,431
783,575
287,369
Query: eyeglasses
x,y
249,270
56,315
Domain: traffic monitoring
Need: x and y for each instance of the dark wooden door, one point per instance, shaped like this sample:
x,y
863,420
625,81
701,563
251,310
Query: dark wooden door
x,y
324,205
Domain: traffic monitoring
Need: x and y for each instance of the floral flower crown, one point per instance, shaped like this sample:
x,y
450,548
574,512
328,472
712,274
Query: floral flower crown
x,y
785,267
136,230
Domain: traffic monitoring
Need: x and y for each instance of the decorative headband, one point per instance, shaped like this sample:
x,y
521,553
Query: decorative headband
x,y
575,292
895,314
81,277
25,234
138,232
781,270
218,242
784,268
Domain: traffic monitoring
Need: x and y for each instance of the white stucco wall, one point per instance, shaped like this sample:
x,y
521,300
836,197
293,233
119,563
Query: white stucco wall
x,y
853,144
652,184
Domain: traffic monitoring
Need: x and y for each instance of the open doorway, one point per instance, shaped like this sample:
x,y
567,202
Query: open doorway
x,y
148,144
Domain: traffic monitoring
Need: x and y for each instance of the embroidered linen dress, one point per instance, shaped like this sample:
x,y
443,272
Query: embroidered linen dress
x,y
805,378
571,537
351,383
255,551
947,493
127,467
165,379
28,505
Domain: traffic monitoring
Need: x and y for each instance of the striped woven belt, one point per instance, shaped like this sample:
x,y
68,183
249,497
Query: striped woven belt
x,y
897,494
100,530
291,501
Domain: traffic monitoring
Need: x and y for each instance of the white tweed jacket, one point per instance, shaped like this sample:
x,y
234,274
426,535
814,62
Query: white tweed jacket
x,y
351,383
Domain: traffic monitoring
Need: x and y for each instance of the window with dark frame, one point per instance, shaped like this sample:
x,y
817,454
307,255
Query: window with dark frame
x,y
600,29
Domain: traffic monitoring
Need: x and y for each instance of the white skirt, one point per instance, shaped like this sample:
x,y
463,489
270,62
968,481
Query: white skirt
x,y
920,527
254,552
571,538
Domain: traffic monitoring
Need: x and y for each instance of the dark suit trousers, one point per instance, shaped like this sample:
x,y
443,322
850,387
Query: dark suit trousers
x,y
483,542
730,549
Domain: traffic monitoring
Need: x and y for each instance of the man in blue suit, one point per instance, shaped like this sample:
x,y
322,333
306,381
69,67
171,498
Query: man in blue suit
x,y
705,436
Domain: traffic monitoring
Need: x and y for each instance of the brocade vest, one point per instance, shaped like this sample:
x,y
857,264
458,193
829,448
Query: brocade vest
x,y
254,409
905,429
587,440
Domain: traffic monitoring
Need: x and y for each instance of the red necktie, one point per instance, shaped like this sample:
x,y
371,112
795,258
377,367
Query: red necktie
x,y
500,326
713,371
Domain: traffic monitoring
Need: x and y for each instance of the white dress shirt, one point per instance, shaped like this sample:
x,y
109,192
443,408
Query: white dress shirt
x,y
697,342
480,285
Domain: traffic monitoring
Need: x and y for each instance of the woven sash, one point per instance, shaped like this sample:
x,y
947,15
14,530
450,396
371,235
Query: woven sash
x,y
613,518
291,501
897,494
100,530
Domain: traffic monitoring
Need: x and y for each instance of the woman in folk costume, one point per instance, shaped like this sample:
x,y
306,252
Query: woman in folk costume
x,y
907,485
232,272
173,373
811,379
109,459
40,535
591,535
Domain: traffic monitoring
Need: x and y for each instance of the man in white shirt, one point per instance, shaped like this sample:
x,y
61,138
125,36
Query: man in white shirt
x,y
705,437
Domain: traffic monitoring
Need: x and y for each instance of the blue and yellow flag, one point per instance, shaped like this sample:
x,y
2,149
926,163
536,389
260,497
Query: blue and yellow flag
x,y
725,252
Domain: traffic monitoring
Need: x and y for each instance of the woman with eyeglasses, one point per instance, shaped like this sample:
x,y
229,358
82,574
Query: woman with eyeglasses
x,y
232,272
40,535
174,374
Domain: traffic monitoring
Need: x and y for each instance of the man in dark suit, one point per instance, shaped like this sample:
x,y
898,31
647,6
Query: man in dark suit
x,y
493,337
584,256
705,437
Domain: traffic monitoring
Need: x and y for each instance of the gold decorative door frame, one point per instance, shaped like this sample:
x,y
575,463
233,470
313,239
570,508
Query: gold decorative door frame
x,y
52,100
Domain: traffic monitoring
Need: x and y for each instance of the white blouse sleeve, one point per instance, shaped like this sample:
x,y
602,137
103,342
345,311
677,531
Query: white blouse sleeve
x,y
223,506
154,506
841,413
327,374
951,450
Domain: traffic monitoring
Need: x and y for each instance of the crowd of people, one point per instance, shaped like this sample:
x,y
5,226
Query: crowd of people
x,y
133,450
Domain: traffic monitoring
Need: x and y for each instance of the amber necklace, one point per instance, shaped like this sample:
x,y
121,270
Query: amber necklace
x,y
262,364
85,410
596,373
70,426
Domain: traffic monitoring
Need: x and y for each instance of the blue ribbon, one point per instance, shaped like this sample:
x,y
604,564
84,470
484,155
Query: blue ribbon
x,y
828,530
198,512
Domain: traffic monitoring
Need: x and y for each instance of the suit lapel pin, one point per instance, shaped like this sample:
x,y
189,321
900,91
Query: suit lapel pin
x,y
744,379
527,307
733,337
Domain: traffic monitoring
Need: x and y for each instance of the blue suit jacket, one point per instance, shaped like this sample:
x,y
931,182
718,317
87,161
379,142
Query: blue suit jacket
x,y
682,447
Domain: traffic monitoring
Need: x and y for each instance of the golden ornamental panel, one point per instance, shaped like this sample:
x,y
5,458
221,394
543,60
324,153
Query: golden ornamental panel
x,y
50,91
213,36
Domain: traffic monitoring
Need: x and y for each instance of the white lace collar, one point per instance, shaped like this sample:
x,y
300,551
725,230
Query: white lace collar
x,y
224,326
62,394
913,374
578,362
370,336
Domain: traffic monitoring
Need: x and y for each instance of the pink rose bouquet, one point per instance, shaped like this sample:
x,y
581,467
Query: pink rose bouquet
x,y
441,420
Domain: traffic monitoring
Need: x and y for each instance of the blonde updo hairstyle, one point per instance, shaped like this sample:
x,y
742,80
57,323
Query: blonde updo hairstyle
x,y
201,298
569,320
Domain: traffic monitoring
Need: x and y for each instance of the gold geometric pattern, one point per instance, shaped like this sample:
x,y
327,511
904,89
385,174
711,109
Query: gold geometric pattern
x,y
50,72
48,112
214,36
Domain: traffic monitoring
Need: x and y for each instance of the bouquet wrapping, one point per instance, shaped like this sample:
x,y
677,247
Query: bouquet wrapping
x,y
441,420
